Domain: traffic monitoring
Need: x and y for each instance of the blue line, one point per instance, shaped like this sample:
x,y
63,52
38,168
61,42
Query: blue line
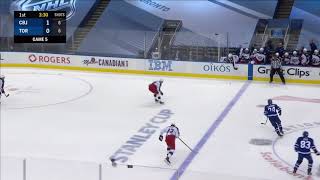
x,y
250,71
179,172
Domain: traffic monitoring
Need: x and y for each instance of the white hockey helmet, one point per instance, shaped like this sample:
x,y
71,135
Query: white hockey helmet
x,y
261,50
229,55
316,52
255,50
295,53
286,54
305,50
161,80
277,54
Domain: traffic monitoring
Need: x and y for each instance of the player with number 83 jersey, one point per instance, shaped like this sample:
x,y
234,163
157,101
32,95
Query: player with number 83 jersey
x,y
302,147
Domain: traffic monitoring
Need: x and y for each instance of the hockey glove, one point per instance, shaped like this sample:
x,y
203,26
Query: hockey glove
x,y
279,113
161,93
160,138
318,154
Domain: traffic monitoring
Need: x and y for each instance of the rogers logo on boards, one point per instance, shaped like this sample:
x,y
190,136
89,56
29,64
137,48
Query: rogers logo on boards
x,y
49,59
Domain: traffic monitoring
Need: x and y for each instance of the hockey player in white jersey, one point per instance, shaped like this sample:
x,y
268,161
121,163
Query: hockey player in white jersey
x,y
171,133
155,88
286,58
315,58
304,58
295,59
245,56
259,57
2,85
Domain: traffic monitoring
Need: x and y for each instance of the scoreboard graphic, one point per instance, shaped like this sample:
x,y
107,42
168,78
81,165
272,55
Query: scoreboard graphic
x,y
40,26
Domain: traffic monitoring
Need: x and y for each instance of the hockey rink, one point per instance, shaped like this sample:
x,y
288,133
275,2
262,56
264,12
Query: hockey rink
x,y
65,125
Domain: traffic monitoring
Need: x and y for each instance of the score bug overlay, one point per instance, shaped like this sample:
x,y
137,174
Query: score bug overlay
x,y
40,27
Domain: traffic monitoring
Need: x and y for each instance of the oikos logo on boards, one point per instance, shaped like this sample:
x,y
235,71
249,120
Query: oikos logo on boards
x,y
45,5
49,59
222,68
292,71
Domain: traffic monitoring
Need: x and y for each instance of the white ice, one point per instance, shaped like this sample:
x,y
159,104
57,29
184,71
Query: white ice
x,y
64,124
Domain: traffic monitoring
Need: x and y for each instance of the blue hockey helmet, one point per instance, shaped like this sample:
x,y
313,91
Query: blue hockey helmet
x,y
305,134
269,101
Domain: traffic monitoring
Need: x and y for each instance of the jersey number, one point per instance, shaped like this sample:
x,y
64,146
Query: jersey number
x,y
305,144
271,109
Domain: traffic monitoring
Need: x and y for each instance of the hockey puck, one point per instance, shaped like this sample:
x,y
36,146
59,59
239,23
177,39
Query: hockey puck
x,y
130,166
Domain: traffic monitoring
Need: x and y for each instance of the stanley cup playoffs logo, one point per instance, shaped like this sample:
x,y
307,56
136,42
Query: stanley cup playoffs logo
x,y
45,5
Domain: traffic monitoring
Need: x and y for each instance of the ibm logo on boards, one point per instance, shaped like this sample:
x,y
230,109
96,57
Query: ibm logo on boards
x,y
160,65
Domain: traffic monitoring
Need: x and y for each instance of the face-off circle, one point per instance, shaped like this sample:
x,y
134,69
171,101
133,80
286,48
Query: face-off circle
x,y
283,147
36,90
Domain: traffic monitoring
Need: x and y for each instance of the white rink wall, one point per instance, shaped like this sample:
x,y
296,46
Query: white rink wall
x,y
293,74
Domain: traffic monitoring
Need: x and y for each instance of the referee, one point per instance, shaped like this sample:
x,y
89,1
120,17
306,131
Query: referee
x,y
276,67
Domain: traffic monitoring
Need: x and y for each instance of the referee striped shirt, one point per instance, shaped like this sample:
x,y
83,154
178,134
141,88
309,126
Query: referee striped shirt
x,y
276,63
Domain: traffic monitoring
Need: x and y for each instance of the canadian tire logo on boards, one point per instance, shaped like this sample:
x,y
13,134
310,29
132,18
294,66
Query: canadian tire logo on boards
x,y
107,62
49,59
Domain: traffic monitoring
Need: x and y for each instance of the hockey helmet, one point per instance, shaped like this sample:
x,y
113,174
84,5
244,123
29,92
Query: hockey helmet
x,y
255,51
246,50
261,49
286,54
269,101
161,80
305,50
316,52
229,55
173,125
295,53
277,54
305,134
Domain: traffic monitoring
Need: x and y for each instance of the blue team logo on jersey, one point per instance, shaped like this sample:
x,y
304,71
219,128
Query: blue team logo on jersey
x,y
45,5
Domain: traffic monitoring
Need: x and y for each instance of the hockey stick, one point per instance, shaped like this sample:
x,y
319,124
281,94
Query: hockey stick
x,y
234,65
6,95
186,145
115,164
264,123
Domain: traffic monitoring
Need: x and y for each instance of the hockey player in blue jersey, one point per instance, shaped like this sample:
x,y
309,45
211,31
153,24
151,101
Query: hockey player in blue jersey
x,y
272,111
302,147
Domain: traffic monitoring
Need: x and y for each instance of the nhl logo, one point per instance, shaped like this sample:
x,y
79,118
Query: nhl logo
x,y
45,5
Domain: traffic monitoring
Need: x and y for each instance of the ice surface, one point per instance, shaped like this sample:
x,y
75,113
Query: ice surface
x,y
65,124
